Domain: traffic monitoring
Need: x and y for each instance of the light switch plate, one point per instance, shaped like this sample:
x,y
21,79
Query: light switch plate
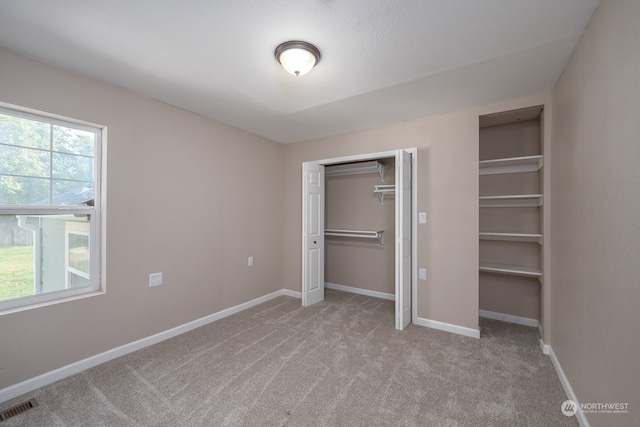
x,y
422,217
422,274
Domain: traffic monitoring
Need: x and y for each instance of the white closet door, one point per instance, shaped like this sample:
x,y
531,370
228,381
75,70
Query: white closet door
x,y
403,239
312,233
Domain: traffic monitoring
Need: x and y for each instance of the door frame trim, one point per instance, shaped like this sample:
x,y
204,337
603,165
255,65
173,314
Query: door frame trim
x,y
414,211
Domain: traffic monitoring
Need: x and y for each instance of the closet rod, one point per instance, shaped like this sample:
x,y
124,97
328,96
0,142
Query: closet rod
x,y
381,190
365,234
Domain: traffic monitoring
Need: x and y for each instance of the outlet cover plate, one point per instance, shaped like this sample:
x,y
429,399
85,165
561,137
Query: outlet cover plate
x,y
155,279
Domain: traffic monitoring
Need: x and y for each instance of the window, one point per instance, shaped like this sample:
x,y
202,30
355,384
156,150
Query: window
x,y
77,254
50,172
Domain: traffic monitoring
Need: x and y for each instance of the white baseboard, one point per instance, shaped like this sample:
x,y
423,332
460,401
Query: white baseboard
x,y
545,348
81,365
582,419
289,293
510,318
447,327
366,292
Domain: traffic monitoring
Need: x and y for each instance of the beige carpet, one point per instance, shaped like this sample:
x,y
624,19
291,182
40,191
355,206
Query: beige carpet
x,y
338,363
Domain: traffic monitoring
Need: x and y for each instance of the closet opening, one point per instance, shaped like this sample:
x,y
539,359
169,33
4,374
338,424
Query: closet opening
x,y
511,217
359,228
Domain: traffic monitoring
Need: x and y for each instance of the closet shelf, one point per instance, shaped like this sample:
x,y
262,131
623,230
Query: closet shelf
x,y
511,165
511,237
381,190
355,169
365,234
515,270
511,201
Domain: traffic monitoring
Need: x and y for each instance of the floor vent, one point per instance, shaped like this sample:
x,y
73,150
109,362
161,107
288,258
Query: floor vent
x,y
18,409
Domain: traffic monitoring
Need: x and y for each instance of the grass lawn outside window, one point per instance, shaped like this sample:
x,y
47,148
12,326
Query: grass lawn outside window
x,y
16,272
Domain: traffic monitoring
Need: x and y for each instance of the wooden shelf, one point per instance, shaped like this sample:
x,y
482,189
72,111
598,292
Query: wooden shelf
x,y
511,201
511,237
515,270
511,165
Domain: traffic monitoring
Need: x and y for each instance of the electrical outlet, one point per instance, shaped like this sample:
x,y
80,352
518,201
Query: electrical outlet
x,y
422,274
250,261
155,279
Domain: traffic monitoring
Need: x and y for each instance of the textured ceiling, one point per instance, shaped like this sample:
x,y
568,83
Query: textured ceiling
x,y
383,61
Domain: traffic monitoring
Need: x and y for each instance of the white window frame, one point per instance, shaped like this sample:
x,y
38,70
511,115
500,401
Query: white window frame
x,y
96,212
78,229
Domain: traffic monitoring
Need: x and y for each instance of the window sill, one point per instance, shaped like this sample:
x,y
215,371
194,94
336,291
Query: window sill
x,y
27,307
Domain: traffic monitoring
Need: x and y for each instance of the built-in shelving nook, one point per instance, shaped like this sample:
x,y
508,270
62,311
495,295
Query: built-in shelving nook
x,y
511,226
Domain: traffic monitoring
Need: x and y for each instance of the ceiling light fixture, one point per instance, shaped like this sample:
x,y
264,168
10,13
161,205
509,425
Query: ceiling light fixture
x,y
297,57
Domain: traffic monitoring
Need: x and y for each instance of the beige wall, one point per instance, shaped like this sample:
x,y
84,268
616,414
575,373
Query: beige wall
x,y
350,203
596,213
187,196
514,295
510,140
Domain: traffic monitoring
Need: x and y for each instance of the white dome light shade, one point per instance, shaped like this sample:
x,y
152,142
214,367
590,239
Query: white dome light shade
x,y
297,57
297,61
